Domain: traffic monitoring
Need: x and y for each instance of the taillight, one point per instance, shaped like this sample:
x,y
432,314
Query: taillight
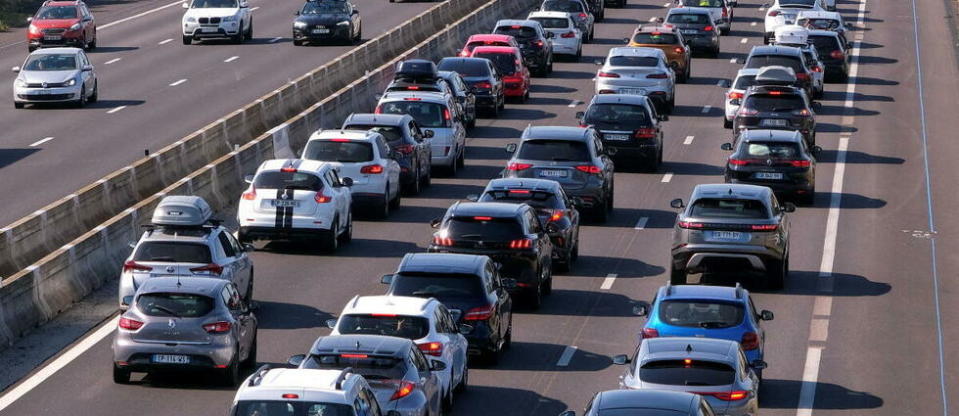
x,y
802,76
431,348
130,324
837,54
817,69
568,35
743,111
678,50
404,149
518,166
442,241
764,227
582,15
322,199
725,12
738,162
649,333
750,341
800,163
667,25
708,29
589,169
446,114
689,224
251,194
483,85
733,95
372,169
464,52
132,266
211,268
803,112
378,110
403,389
661,75
217,327
557,215
481,313
521,244
538,43
726,396
773,13
608,74
645,133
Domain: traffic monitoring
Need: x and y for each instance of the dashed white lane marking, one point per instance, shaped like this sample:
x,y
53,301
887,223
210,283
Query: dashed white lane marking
x,y
164,41
744,40
41,141
753,24
667,177
274,40
175,83
733,61
641,224
114,60
823,306
573,103
567,356
116,109
608,281
707,109
105,330
231,59
689,140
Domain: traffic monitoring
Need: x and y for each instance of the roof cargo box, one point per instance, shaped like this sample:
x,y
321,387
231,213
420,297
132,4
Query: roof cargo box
x,y
775,75
416,69
182,211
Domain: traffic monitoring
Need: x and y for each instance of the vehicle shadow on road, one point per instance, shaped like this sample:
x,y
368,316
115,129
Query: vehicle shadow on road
x,y
600,266
784,394
806,282
629,217
695,110
872,81
583,303
829,156
690,168
454,191
642,6
841,96
877,60
101,104
482,172
550,89
837,110
514,113
282,315
538,356
11,156
543,100
487,400
493,132
111,49
834,128
848,201
487,153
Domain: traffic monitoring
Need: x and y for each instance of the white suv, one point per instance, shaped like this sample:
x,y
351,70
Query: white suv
x,y
296,199
217,19
425,321
302,392
437,112
745,78
785,12
363,156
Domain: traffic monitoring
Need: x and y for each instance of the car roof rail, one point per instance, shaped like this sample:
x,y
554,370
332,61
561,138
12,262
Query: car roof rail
x,y
258,375
739,291
669,288
338,383
355,300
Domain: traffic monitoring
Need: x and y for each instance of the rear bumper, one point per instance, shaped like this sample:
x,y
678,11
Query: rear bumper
x,y
275,233
699,257
138,356
799,187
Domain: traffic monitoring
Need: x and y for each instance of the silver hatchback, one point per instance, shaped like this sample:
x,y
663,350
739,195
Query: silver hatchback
x,y
176,325
55,75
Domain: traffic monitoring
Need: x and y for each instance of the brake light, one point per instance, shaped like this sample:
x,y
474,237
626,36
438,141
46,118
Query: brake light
x,y
372,169
804,112
211,268
800,163
442,241
708,29
764,227
837,54
734,95
413,99
217,327
132,266
413,88
557,215
354,356
288,169
608,74
404,149
649,333
251,194
519,191
290,396
817,69
403,389
645,133
464,53
446,114
481,313
484,85
726,396
130,324
802,76
431,348
689,224
515,27
775,93
582,15
750,341
539,43
678,50
661,75
523,243
518,166
773,13
568,35
482,218
589,169
383,315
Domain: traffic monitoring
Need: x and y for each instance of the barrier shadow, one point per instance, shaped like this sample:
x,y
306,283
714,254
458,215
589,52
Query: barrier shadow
x,y
852,156
806,282
691,168
515,113
111,49
538,356
585,303
628,217
550,89
625,268
486,153
11,156
494,132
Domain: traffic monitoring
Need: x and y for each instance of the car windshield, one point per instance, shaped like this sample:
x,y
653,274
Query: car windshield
x,y
290,408
391,133
181,305
411,327
820,24
465,67
775,103
436,285
562,6
516,31
702,3
51,62
505,63
688,18
700,313
554,150
759,61
552,22
656,38
214,4
371,367
338,151
771,150
288,180
642,61
744,81
536,199
173,252
426,114
617,116
685,373
57,12
728,209
483,228
326,7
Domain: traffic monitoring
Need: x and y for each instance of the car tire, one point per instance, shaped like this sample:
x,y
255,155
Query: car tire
x,y
776,271
447,404
417,185
248,297
464,381
347,235
250,361
724,32
549,69
452,168
715,52
231,374
396,201
677,277
579,54
508,338
462,159
297,42
17,105
332,241
249,31
727,124
96,93
31,48
601,214
535,297
383,208
82,101
120,376
548,286
574,253
472,123
238,37
187,40
428,178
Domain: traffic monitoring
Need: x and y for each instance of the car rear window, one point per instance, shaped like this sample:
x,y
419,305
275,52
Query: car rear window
x,y
182,305
627,411
505,63
646,61
825,45
562,6
689,18
338,151
57,12
701,313
290,408
288,180
552,22
554,150
729,208
679,373
516,31
617,116
466,67
656,38
797,3
702,3
483,228
745,81
535,199
392,134
775,103
426,114
412,327
173,252
371,367
771,150
436,284
759,61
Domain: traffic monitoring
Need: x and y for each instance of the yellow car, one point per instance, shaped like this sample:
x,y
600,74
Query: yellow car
x,y
671,42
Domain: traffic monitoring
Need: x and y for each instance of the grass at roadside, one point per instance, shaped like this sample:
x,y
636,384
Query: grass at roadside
x,y
14,13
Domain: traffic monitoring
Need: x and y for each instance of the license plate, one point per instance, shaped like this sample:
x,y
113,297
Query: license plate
x,y
639,91
726,236
775,122
690,31
619,137
171,359
208,29
52,37
322,31
43,92
553,173
285,203
768,175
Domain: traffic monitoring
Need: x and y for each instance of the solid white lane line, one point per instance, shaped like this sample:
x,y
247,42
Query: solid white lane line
x,y
823,306
707,108
116,109
641,224
567,356
164,41
608,281
41,141
139,15
744,40
231,59
810,375
114,60
274,40
175,83
689,140
14,394
667,177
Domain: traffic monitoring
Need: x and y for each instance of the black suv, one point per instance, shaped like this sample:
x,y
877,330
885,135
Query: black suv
x,y
470,287
534,43
408,143
630,124
323,20
778,159
484,81
777,108
463,95
510,234
786,56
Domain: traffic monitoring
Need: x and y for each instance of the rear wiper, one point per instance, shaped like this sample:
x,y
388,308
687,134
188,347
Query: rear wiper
x,y
169,311
779,109
298,188
713,324
471,235
561,159
162,259
697,383
424,293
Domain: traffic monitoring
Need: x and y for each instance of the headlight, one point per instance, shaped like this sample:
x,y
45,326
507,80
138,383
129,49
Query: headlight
x,y
21,83
301,25
76,26
344,23
229,19
70,83
191,19
35,30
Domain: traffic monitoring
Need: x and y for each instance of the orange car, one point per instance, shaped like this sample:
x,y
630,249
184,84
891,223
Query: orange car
x,y
672,44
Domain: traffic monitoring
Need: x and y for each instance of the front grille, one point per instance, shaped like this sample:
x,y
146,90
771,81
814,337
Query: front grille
x,y
53,31
49,85
209,20
45,97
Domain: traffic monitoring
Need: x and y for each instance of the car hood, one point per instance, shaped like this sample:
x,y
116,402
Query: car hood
x,y
54,23
47,76
323,19
211,12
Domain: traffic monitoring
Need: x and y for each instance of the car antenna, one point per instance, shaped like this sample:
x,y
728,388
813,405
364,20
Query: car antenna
x,y
689,348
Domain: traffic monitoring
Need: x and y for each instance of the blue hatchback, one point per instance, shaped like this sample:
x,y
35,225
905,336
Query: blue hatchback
x,y
710,312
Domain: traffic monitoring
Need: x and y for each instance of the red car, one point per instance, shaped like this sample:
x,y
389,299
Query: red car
x,y
62,23
509,62
487,39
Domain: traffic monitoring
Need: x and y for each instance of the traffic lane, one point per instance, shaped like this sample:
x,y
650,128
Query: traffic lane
x,y
81,135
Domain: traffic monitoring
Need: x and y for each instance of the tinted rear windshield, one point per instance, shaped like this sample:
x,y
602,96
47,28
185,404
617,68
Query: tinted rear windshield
x,y
552,22
288,180
412,327
562,6
656,38
466,68
771,150
535,199
372,367
173,252
483,228
175,304
518,32
640,412
617,116
435,284
702,3
291,408
555,150
690,18
729,208
678,373
344,152
825,45
744,82
797,3
700,314
759,61
391,133
505,63
426,114
646,61
775,103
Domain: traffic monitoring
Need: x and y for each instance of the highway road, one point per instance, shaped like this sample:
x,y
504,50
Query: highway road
x,y
863,327
153,91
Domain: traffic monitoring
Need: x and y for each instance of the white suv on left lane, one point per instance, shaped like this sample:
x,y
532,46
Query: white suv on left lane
x,y
205,19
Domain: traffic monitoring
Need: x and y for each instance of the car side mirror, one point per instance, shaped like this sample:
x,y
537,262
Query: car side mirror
x,y
677,203
599,62
659,20
355,11
726,146
552,228
816,149
435,222
29,19
465,329
87,68
817,105
508,283
248,179
331,323
186,5
386,279
296,360
428,134
580,115
758,364
132,244
15,69
848,25
377,97
789,207
244,4
472,197
568,413
247,247
437,365
663,117
766,315
621,359
641,309
511,148
347,182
